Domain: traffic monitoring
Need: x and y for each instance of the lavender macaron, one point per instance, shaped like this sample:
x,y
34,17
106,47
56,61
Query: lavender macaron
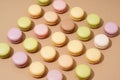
x,y
15,35
20,59
111,29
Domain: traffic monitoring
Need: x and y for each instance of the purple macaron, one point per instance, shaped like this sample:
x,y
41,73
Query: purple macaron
x,y
111,29
14,35
20,59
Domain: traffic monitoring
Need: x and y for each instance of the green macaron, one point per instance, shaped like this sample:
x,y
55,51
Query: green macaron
x,y
93,20
84,33
4,50
83,71
24,23
43,2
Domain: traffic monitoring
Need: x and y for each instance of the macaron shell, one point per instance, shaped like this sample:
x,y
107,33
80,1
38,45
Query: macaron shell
x,y
20,59
41,31
111,29
15,35
54,75
43,2
4,50
59,6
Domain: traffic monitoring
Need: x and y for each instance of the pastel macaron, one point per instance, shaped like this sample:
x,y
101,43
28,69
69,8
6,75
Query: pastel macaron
x,y
58,39
93,55
83,33
37,69
67,26
15,35
43,2
83,71
77,13
93,20
51,18
20,59
24,23
48,53
101,41
30,45
35,11
75,47
111,29
65,62
54,75
59,6
5,50
41,31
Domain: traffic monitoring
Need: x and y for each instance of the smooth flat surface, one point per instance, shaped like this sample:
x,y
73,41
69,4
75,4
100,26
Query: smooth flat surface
x,y
108,10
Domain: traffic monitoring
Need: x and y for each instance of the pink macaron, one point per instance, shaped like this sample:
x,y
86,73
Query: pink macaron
x,y
59,6
20,59
111,29
41,31
54,75
15,35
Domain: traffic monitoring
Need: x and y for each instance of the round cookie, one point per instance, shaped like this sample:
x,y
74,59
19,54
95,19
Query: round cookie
x,y
84,33
93,55
24,23
4,50
35,11
14,35
48,53
77,13
51,18
41,31
93,20
59,6
43,2
83,71
111,29
67,26
20,59
75,47
37,69
30,45
59,39
54,75
101,41
65,62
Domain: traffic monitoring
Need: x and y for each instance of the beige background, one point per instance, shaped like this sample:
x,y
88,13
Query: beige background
x,y
107,69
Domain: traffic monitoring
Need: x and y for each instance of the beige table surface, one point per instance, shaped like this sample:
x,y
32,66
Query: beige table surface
x,y
107,69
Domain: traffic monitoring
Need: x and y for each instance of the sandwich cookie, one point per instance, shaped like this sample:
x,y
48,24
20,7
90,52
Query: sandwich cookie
x,y
43,2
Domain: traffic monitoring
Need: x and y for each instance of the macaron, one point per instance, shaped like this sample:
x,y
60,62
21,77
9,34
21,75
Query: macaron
x,y
93,55
93,20
51,18
4,50
101,41
15,35
111,29
37,69
65,62
59,6
54,75
24,23
20,59
43,2
83,33
67,26
58,39
35,11
30,45
48,53
75,47
41,31
83,71
77,13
